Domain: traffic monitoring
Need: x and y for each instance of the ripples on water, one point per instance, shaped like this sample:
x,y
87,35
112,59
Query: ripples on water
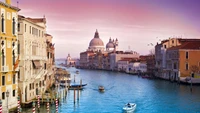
x,y
151,96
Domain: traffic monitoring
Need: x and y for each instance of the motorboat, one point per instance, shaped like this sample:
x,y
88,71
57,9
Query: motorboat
x,y
101,89
77,72
129,107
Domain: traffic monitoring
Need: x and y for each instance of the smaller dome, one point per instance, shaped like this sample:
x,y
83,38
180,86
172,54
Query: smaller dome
x,y
110,45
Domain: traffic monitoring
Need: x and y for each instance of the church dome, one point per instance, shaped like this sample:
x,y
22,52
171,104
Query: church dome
x,y
96,41
110,44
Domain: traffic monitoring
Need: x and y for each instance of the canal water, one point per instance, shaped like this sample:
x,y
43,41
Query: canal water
x,y
151,96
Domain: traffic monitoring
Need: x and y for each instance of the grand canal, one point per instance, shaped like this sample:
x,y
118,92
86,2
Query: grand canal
x,y
151,96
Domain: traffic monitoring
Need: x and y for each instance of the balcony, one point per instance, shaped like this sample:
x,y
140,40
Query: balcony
x,y
4,69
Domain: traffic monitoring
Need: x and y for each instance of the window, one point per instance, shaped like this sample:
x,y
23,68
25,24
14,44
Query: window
x,y
18,48
40,84
14,79
13,57
30,29
13,26
3,58
172,41
18,27
45,66
175,66
3,80
33,85
186,66
186,55
18,75
13,93
2,23
165,46
3,95
29,86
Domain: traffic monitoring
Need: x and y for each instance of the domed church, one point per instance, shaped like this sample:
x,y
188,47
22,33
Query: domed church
x,y
96,44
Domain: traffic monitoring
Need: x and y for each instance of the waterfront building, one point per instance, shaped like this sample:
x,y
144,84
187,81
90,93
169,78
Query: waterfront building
x,y
122,65
150,63
106,61
9,55
160,54
33,58
50,64
115,57
136,67
84,59
183,61
69,61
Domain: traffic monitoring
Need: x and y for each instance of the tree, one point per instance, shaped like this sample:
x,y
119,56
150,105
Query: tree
x,y
152,52
194,69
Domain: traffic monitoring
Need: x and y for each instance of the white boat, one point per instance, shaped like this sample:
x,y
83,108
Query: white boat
x,y
129,107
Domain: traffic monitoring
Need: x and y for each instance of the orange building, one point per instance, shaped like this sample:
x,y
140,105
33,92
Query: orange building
x,y
183,60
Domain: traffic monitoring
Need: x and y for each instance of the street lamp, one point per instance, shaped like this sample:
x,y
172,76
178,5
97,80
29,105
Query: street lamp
x,y
7,95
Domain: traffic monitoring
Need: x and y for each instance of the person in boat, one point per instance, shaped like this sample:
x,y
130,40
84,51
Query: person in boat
x,y
129,105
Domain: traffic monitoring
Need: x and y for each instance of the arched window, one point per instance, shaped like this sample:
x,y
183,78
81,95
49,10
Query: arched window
x,y
13,25
2,23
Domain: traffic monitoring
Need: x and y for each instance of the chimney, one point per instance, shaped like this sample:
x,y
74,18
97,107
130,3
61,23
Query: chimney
x,y
8,2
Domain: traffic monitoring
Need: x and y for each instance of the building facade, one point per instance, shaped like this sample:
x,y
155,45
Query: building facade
x,y
33,58
162,56
183,61
9,55
50,65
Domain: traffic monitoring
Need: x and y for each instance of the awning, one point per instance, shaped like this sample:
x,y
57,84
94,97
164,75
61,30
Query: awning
x,y
36,64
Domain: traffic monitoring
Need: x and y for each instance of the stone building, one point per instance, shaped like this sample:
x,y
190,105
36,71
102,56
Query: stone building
x,y
33,58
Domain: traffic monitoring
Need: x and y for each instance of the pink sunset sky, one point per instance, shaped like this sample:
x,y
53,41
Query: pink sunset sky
x,y
136,23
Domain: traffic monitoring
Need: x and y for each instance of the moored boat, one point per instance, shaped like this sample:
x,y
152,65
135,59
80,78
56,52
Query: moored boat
x,y
101,89
129,107
76,86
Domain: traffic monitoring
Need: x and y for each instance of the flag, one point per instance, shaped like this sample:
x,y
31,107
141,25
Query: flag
x,y
16,63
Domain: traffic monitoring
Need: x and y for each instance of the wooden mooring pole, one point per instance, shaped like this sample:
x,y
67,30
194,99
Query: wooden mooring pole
x,y
74,96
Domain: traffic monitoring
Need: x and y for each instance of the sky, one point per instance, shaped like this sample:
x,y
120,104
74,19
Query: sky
x,y
135,23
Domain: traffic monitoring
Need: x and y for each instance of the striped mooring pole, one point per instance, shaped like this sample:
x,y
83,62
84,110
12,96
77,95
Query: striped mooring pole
x,y
18,104
38,101
56,104
47,105
0,106
33,107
